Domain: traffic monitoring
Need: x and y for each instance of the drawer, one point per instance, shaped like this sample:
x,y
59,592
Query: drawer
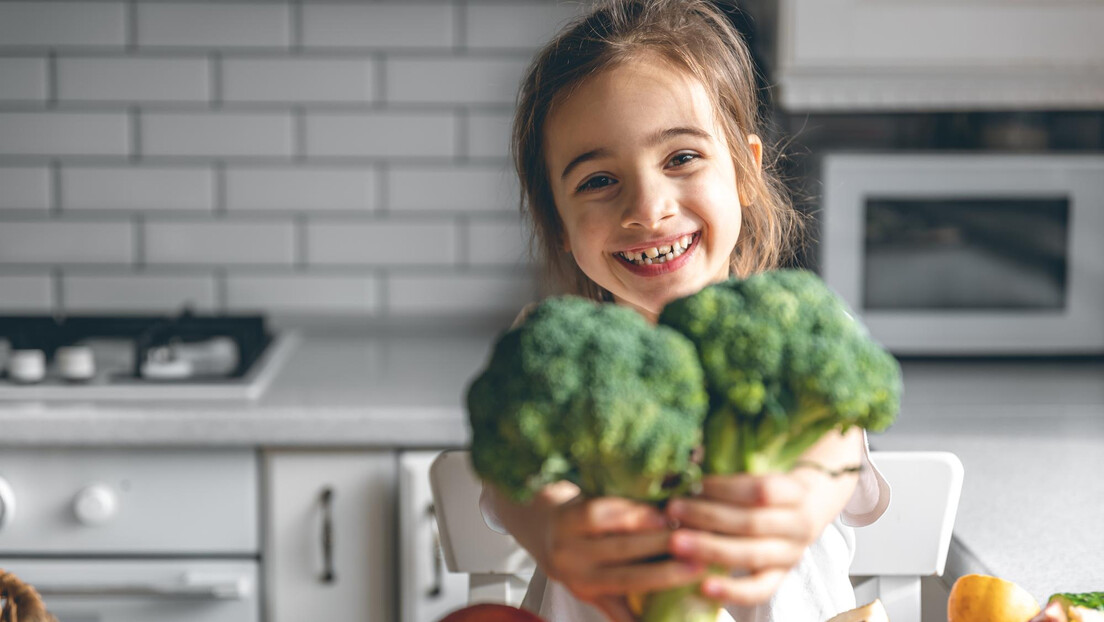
x,y
121,501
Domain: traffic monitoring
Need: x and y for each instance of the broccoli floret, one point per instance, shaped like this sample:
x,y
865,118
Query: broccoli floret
x,y
784,363
589,393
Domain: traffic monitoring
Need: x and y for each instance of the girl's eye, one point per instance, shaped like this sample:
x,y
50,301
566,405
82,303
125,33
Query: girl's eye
x,y
683,158
595,183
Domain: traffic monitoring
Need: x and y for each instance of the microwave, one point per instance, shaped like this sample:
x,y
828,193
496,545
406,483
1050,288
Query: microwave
x,y
968,254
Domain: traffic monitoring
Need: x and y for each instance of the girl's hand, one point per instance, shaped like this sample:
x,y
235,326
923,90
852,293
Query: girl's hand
x,y
599,549
760,524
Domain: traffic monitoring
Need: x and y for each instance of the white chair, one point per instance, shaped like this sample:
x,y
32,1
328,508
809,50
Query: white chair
x,y
908,542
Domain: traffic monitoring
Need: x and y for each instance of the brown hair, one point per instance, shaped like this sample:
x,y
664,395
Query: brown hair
x,y
692,35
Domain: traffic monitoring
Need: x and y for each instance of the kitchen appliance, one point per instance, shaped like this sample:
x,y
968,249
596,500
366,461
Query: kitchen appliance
x,y
112,536
186,356
958,254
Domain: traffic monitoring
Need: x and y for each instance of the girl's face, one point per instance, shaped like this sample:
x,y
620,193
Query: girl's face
x,y
644,183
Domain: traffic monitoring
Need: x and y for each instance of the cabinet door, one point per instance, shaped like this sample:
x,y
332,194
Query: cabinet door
x,y
328,535
428,590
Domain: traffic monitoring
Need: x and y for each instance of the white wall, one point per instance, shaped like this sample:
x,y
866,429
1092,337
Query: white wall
x,y
297,157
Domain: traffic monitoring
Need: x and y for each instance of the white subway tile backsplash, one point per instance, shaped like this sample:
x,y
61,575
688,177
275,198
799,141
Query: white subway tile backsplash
x,y
300,189
497,242
459,294
214,24
149,188
66,242
381,134
517,25
22,79
298,80
298,156
221,241
378,25
24,187
489,134
26,293
51,24
141,292
382,243
307,294
447,80
451,188
123,79
64,133
216,134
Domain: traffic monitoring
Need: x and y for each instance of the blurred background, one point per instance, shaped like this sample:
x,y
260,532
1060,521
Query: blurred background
x,y
350,158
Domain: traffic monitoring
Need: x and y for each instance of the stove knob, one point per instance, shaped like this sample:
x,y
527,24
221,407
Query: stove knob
x,y
7,503
96,504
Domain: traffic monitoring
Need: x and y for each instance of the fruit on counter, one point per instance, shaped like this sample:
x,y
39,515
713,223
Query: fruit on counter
x,y
870,612
982,598
487,612
1066,607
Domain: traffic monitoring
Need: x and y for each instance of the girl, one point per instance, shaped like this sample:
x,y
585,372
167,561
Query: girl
x,y
641,170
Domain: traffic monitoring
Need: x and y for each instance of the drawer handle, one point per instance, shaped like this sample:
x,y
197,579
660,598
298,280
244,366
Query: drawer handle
x,y
437,588
326,499
192,587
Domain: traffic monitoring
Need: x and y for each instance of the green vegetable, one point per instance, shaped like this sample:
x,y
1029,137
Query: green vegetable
x,y
784,363
1080,607
589,393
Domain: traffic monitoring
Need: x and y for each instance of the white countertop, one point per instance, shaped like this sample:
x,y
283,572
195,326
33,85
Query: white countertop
x,y
1030,435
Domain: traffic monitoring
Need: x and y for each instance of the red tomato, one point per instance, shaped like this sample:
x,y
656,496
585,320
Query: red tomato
x,y
490,613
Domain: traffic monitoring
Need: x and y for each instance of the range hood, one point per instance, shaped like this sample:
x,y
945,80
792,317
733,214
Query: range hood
x,y
888,55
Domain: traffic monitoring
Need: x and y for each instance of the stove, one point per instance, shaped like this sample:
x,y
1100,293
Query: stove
x,y
184,356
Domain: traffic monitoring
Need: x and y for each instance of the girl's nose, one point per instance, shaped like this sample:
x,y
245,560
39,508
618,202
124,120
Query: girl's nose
x,y
648,205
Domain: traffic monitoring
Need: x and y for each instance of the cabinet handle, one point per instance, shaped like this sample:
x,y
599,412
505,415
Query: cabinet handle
x,y
326,500
435,590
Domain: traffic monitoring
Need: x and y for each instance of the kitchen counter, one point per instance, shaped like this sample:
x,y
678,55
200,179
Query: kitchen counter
x,y
400,390
1030,435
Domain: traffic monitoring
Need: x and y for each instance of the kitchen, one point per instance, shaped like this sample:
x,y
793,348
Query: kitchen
x,y
341,169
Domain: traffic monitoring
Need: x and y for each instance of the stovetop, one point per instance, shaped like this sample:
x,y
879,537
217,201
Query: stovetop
x,y
184,356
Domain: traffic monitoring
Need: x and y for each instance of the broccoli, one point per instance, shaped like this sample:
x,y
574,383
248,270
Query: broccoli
x,y
784,363
589,393
1084,607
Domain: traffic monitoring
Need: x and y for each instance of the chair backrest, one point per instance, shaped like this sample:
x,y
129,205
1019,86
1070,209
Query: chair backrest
x,y
499,568
909,541
913,535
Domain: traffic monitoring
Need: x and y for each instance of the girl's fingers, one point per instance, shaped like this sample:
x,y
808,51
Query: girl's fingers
x,y
582,555
754,490
611,515
750,553
736,520
749,590
643,577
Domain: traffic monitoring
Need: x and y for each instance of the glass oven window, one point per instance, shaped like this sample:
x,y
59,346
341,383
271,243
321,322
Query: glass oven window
x,y
961,254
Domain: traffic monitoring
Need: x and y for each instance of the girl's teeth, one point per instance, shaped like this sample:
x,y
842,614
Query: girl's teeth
x,y
661,254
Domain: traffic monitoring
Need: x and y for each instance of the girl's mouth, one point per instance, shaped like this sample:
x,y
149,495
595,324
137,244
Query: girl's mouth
x,y
660,259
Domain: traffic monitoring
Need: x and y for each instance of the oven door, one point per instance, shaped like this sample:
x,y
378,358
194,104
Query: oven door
x,y
969,254
129,590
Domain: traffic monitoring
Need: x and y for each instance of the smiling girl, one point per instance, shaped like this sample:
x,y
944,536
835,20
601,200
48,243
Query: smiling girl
x,y
641,170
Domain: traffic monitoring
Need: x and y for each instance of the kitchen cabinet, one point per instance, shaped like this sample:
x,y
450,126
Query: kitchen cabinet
x,y
916,54
427,589
329,521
